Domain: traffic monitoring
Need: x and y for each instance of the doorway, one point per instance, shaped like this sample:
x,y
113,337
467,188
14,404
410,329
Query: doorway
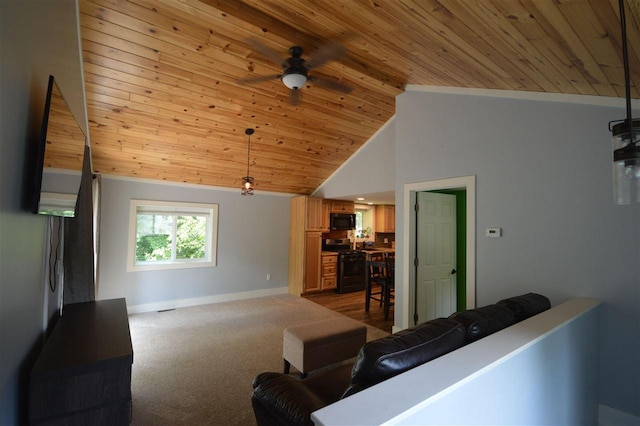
x,y
465,185
437,268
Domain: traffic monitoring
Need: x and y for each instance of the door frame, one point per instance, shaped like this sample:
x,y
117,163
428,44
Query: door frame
x,y
467,183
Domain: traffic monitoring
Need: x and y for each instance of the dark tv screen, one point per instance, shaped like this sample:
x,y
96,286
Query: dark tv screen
x,y
59,157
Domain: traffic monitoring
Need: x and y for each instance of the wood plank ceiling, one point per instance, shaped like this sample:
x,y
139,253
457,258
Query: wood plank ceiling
x,y
164,100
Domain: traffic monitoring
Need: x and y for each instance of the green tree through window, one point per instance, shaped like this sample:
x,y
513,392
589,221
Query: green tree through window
x,y
173,234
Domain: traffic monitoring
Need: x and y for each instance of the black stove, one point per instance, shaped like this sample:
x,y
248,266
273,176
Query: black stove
x,y
351,265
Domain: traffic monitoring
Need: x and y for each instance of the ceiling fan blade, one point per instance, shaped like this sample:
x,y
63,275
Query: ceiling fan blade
x,y
324,54
253,80
266,51
331,84
295,97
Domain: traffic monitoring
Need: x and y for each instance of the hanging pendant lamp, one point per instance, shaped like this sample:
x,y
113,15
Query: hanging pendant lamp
x,y
247,181
625,137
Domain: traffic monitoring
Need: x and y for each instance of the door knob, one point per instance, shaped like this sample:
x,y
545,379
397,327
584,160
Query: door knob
x,y
453,271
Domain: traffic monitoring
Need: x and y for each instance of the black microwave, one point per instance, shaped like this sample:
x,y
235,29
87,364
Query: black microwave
x,y
342,221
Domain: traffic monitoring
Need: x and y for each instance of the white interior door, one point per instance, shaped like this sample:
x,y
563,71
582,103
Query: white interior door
x,y
436,255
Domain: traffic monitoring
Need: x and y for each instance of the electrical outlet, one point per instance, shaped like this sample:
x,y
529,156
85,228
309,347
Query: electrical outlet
x,y
268,277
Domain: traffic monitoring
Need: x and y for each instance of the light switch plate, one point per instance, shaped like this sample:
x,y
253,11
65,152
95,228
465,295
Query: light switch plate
x,y
493,232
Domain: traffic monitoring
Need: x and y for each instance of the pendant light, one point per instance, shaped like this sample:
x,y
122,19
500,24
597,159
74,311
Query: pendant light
x,y
247,181
624,137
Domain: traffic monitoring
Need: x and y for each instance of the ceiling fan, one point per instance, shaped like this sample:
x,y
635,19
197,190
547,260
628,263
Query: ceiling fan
x,y
295,72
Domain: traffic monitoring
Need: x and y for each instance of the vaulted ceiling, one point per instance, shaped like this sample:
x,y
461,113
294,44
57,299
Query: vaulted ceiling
x,y
165,102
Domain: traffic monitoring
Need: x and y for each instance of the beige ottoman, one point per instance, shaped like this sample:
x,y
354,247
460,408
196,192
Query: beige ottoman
x,y
318,344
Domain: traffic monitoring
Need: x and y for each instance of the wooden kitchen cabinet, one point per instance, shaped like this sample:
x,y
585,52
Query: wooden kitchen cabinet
x,y
329,271
305,245
385,218
312,270
339,206
326,211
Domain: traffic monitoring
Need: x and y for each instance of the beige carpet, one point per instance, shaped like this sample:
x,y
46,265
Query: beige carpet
x,y
194,366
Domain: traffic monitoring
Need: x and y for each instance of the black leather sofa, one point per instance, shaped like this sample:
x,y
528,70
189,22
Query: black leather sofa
x,y
282,399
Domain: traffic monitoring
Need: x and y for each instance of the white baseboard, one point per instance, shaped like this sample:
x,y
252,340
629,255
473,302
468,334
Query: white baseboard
x,y
608,416
195,301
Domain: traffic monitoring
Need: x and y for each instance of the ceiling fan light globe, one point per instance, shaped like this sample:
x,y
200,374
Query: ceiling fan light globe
x,y
294,80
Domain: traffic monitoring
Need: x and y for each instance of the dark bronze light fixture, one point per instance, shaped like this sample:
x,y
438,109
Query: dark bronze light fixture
x,y
247,181
624,133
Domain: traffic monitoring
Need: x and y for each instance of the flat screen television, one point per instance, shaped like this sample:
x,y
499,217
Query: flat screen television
x,y
59,157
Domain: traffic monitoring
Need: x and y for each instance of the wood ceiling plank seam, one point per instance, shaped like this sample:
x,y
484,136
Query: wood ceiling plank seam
x,y
190,41
390,40
587,26
441,26
159,89
174,140
151,119
100,50
427,31
609,16
185,107
91,35
319,23
345,119
316,93
245,13
557,26
173,12
155,44
332,23
118,103
530,27
99,87
174,114
112,139
450,25
500,34
169,43
114,126
134,70
161,17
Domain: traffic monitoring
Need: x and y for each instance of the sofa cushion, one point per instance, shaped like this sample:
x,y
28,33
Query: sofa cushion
x,y
389,356
280,399
484,321
526,305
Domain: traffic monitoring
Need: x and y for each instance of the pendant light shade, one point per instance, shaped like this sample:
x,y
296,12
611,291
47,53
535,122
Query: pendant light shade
x,y
626,162
247,181
624,136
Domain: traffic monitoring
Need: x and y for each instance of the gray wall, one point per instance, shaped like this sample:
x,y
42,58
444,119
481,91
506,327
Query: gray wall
x,y
371,169
38,38
253,241
544,176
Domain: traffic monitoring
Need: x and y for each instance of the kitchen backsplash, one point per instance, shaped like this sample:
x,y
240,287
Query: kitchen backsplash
x,y
385,239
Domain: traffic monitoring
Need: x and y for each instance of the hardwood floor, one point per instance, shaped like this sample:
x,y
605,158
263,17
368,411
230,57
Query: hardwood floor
x,y
352,305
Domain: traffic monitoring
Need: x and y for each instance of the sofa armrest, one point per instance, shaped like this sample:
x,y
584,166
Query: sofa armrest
x,y
481,322
280,399
526,305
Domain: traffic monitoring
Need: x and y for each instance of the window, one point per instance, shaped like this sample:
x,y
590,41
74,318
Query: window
x,y
168,235
364,221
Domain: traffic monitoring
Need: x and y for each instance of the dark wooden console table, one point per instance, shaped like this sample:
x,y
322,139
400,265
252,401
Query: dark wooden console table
x,y
83,374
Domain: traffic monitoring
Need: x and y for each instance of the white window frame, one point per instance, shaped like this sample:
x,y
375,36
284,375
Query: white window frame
x,y
141,206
